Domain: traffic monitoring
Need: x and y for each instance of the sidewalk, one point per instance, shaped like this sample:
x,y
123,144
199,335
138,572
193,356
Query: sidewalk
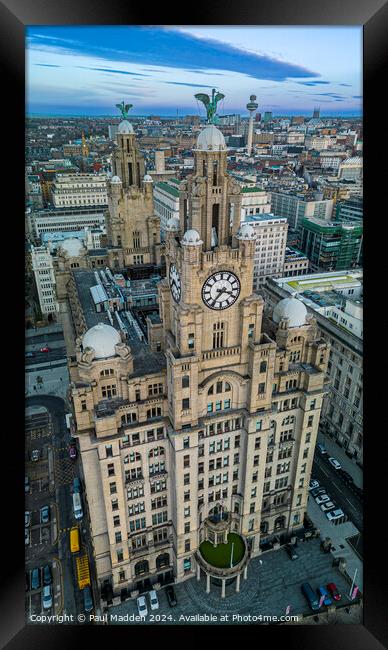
x,y
338,535
338,452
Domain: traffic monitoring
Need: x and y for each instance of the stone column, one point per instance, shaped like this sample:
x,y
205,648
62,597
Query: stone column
x,y
238,582
245,572
207,583
223,589
198,572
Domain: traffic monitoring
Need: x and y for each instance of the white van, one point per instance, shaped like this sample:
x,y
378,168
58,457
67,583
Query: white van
x,y
77,506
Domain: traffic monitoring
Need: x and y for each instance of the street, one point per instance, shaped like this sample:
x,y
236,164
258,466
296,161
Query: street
x,y
53,474
341,494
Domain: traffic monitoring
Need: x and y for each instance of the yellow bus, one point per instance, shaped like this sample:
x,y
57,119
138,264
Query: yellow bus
x,y
74,540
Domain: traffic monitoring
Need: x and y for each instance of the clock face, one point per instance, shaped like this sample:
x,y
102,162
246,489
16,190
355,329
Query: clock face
x,y
221,290
175,283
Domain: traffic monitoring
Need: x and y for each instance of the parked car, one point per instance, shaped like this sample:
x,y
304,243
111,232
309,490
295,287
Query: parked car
x,y
334,463
154,602
47,577
73,451
333,591
310,596
27,536
322,498
45,349
170,593
328,505
333,515
26,485
27,518
45,514
291,552
47,597
142,606
316,491
29,355
322,591
321,448
35,578
313,484
88,600
35,454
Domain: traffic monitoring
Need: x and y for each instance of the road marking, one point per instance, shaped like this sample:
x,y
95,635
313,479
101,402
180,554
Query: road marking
x,y
338,488
323,471
351,504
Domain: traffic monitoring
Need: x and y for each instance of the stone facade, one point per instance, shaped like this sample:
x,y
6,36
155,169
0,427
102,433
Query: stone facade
x,y
224,418
133,229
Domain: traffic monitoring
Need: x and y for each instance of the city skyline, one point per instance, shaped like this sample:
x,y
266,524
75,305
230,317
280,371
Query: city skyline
x,y
290,69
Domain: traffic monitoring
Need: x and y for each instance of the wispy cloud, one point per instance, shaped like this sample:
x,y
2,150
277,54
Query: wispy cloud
x,y
47,65
312,83
134,74
182,83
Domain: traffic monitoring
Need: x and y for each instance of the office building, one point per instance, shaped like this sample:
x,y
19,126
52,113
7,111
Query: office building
x,y
166,202
65,220
43,269
350,210
271,239
254,200
335,300
75,190
351,169
211,427
331,246
295,262
296,207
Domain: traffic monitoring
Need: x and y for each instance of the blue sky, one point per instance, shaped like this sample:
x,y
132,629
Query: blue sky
x,y
88,69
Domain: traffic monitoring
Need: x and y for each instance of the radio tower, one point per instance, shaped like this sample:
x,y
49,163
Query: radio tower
x,y
252,107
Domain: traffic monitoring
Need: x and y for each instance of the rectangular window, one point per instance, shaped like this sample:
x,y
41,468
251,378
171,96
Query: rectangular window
x,y
258,426
111,470
257,443
218,406
186,443
261,388
209,408
185,403
227,404
237,441
186,461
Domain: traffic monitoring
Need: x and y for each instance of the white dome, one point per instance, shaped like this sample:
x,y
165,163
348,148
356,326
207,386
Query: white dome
x,y
292,309
246,231
125,127
173,224
102,338
72,246
192,238
148,179
115,179
211,139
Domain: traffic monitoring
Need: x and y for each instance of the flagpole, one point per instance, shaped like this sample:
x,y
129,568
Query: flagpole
x,y
231,557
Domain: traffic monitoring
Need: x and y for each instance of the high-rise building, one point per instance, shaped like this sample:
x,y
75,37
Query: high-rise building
x,y
209,429
267,116
316,113
133,230
254,201
43,269
166,202
331,246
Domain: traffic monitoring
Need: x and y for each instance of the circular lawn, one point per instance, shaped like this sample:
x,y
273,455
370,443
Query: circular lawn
x,y
221,555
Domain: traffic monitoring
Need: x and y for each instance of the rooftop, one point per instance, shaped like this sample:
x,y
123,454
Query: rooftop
x,y
167,188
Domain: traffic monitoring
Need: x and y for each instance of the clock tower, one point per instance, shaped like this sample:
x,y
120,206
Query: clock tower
x,y
212,330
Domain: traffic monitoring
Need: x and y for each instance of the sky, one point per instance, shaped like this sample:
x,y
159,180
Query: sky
x,y
87,70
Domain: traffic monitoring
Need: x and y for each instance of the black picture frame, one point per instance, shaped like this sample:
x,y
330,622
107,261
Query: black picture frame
x,y
14,16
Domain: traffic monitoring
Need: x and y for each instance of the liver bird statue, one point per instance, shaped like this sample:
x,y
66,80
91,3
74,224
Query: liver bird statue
x,y
210,104
124,108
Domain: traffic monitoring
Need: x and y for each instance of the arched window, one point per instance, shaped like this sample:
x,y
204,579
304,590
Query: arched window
x,y
106,372
127,418
134,457
162,561
227,387
280,523
211,390
141,567
264,527
157,451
